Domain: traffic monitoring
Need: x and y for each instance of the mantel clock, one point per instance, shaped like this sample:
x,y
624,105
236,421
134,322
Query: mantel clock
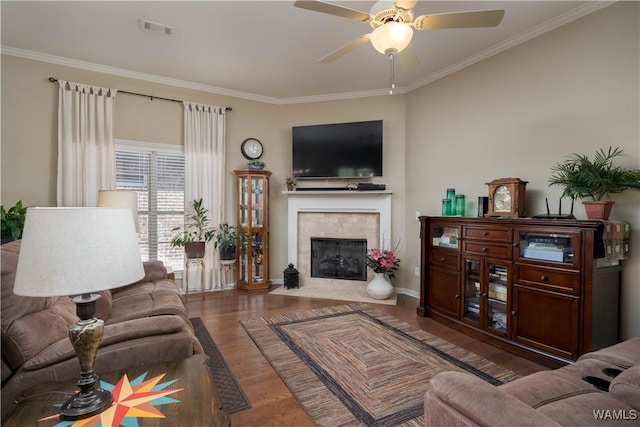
x,y
507,198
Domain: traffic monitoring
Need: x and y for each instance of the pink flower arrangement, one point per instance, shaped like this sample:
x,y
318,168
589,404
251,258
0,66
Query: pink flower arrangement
x,y
382,261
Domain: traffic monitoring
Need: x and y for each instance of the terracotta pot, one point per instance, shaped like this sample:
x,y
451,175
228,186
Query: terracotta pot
x,y
598,210
194,250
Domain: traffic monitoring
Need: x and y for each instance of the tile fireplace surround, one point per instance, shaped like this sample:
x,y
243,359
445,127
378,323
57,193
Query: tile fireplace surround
x,y
335,214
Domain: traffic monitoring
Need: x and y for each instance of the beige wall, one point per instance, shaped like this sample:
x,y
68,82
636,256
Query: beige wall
x,y
571,90
515,114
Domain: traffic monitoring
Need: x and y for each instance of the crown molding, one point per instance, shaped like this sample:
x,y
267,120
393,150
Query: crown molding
x,y
534,32
99,68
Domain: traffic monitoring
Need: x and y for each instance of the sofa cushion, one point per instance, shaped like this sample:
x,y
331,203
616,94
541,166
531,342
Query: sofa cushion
x,y
626,387
113,334
595,408
624,354
457,398
542,388
29,324
157,298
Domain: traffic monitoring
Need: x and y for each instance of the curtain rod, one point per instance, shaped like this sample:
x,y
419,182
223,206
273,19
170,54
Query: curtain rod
x,y
151,97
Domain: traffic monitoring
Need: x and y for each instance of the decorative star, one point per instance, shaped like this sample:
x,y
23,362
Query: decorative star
x,y
131,400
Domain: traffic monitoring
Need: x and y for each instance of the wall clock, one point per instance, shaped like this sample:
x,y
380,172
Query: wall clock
x,y
251,149
507,198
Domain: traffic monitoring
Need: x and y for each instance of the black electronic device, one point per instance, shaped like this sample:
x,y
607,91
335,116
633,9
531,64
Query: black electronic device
x,y
340,150
367,186
483,206
559,215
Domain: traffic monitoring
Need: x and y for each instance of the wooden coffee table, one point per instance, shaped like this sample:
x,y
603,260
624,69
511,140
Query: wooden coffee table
x,y
184,395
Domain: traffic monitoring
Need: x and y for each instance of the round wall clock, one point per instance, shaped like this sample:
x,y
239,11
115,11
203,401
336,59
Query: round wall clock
x,y
251,149
507,197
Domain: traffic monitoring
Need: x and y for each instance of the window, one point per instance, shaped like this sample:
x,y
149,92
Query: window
x,y
156,173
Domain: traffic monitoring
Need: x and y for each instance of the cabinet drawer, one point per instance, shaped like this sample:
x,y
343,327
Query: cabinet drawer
x,y
493,250
502,234
445,258
558,280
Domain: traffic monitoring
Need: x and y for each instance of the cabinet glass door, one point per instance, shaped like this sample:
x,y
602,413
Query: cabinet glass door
x,y
498,277
257,201
472,290
243,202
257,267
243,259
548,247
445,237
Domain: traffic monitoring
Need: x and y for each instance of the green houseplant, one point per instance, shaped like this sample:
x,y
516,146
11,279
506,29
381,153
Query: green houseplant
x,y
256,164
12,221
197,231
582,177
226,239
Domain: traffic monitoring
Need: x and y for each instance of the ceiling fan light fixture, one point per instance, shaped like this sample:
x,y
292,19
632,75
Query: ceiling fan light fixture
x,y
391,38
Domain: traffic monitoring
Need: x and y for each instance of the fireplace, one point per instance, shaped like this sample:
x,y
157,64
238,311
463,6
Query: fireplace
x,y
364,215
333,258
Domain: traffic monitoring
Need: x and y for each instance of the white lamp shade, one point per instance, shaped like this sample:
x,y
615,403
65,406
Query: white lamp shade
x,y
73,251
391,38
127,199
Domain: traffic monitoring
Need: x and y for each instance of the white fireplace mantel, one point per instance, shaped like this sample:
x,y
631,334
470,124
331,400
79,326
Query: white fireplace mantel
x,y
378,202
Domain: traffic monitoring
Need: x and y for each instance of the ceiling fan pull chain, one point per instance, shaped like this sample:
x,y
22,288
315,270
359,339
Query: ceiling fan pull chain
x,y
392,78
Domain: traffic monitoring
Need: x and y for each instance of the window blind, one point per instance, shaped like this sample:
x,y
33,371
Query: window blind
x,y
158,177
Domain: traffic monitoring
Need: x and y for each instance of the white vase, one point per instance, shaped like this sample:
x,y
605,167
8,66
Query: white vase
x,y
379,287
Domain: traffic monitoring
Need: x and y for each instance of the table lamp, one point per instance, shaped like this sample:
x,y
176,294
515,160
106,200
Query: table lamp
x,y
127,199
77,251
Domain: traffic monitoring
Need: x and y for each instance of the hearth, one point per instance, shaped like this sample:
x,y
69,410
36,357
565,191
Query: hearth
x,y
333,258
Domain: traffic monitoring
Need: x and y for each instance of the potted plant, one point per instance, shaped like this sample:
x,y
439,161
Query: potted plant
x,y
196,232
582,177
226,239
255,164
290,183
12,221
383,263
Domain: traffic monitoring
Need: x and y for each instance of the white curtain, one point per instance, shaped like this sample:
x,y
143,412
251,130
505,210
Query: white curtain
x,y
204,148
86,146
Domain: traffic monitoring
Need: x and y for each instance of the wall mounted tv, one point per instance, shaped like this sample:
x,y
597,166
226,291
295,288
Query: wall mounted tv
x,y
340,150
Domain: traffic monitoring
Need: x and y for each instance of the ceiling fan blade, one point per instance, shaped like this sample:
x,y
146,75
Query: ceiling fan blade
x,y
333,9
405,4
409,58
483,18
345,49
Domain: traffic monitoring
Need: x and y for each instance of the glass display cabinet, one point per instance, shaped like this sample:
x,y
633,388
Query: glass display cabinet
x,y
485,293
253,220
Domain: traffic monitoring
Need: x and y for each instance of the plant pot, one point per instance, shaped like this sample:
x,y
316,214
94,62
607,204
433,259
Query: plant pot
x,y
194,250
379,287
290,187
255,167
598,210
228,254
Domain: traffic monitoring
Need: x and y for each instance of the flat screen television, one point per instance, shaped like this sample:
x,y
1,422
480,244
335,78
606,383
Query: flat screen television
x,y
339,150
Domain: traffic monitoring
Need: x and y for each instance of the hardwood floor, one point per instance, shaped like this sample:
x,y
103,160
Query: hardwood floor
x,y
272,403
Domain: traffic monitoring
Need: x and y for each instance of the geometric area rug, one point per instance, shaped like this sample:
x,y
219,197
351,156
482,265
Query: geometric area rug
x,y
352,365
231,395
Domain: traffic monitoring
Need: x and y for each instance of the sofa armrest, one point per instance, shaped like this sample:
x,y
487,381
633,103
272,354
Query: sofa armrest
x,y
459,399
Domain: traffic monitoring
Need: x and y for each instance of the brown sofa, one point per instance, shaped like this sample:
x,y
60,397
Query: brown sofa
x,y
145,322
601,388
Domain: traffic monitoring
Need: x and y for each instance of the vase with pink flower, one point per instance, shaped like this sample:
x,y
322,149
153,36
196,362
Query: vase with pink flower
x,y
383,263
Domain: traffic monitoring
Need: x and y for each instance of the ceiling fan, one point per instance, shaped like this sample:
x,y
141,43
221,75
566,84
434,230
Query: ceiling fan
x,y
393,24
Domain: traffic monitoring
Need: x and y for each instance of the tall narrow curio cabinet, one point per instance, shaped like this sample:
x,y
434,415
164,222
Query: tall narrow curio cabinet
x,y
253,219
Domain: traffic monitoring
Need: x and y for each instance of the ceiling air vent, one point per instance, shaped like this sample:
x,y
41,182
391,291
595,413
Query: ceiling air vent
x,y
154,27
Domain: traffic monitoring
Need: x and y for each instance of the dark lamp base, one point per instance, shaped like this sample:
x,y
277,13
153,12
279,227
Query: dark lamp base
x,y
86,404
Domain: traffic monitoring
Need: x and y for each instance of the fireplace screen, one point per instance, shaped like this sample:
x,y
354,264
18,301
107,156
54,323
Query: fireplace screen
x,y
339,258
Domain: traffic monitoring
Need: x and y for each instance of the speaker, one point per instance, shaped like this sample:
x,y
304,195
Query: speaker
x,y
483,206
